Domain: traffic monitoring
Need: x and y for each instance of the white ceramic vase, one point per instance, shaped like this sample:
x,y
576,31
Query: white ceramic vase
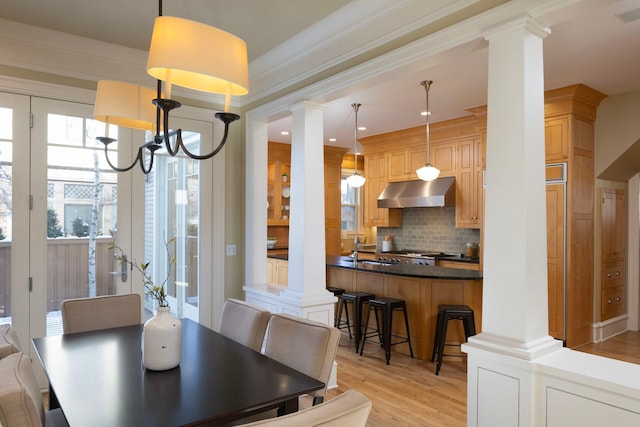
x,y
162,341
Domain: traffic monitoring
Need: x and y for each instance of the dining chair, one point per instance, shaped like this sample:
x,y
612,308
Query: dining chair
x,y
350,408
305,345
9,342
244,323
21,403
104,312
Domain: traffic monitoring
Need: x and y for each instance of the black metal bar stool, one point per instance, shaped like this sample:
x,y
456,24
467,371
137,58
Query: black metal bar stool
x,y
358,299
386,306
337,292
446,313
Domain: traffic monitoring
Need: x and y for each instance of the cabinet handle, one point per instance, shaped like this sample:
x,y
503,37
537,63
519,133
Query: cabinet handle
x,y
609,301
609,275
617,273
618,299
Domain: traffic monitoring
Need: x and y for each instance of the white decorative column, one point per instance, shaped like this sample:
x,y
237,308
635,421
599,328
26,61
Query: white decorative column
x,y
306,294
514,315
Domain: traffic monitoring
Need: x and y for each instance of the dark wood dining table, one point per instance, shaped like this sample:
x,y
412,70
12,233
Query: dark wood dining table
x,y
97,379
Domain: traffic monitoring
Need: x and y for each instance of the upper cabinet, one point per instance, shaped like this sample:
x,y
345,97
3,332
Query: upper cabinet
x,y
376,172
279,194
404,163
469,192
278,184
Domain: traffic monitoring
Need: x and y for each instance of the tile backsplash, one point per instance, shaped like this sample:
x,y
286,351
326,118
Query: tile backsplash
x,y
429,229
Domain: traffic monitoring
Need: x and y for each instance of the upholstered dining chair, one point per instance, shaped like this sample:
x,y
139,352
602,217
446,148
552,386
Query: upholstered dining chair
x,y
244,323
21,403
104,312
350,408
9,342
307,346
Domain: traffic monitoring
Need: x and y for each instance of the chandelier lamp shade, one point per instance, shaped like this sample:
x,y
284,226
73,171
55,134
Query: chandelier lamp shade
x,y
356,180
184,53
428,172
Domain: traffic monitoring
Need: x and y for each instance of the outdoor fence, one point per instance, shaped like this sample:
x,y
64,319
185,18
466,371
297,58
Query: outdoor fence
x,y
67,271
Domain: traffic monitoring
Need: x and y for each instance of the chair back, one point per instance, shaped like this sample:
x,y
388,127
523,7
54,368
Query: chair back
x,y
244,323
104,312
351,409
9,342
307,346
21,402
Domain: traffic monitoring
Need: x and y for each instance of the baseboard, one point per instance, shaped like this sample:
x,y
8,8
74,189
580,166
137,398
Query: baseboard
x,y
609,328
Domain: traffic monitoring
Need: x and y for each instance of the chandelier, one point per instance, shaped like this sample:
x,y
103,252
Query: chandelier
x,y
356,180
183,53
428,172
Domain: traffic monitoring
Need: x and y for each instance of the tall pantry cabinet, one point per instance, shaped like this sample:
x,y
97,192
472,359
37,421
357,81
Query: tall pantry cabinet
x,y
570,113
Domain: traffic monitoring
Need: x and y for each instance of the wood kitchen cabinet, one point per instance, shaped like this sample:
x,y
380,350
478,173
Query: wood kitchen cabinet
x,y
613,253
278,190
443,156
279,200
404,163
332,198
469,192
376,172
277,271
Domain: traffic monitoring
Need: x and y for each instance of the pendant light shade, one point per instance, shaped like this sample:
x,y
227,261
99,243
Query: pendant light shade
x,y
125,104
428,172
197,56
356,180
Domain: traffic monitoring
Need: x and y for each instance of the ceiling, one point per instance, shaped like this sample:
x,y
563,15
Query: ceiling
x,y
594,46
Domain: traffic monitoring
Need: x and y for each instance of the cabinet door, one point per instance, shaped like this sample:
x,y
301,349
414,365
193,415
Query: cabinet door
x,y
556,139
443,156
469,183
613,224
375,168
404,163
556,259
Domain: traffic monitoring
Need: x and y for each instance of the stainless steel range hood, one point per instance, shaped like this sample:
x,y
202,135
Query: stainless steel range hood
x,y
418,194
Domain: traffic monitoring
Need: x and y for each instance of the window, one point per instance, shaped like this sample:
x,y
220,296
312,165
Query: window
x,y
350,203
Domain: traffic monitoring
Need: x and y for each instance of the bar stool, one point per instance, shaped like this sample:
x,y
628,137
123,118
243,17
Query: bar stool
x,y
446,313
358,299
386,306
337,292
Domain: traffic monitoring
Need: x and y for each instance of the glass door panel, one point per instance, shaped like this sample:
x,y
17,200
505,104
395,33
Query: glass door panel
x,y
80,193
174,198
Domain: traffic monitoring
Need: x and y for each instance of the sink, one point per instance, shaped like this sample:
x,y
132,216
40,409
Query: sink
x,y
368,262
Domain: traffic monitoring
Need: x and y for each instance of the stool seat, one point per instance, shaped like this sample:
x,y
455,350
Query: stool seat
x,y
447,312
337,292
358,299
386,305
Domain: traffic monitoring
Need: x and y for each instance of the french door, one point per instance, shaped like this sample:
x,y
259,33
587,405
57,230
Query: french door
x,y
57,194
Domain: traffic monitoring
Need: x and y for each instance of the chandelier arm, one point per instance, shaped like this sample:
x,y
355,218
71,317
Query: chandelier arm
x,y
167,140
145,171
226,118
106,141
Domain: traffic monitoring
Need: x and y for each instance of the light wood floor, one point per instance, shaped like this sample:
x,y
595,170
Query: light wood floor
x,y
408,393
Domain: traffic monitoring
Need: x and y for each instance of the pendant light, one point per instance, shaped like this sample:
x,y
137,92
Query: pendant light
x,y
428,172
356,180
182,53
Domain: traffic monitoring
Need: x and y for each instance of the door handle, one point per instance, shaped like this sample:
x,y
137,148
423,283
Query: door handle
x,y
123,269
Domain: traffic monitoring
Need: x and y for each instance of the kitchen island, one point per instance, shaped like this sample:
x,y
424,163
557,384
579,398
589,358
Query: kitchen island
x,y
422,287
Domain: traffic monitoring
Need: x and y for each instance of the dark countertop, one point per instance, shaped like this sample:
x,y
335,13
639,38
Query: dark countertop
x,y
406,270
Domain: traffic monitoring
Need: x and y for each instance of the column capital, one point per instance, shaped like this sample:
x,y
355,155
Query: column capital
x,y
521,23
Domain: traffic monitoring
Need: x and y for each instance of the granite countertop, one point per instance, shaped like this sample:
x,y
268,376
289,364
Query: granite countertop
x,y
406,270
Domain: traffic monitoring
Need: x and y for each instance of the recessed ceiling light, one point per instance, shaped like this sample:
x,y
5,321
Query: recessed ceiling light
x,y
284,132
